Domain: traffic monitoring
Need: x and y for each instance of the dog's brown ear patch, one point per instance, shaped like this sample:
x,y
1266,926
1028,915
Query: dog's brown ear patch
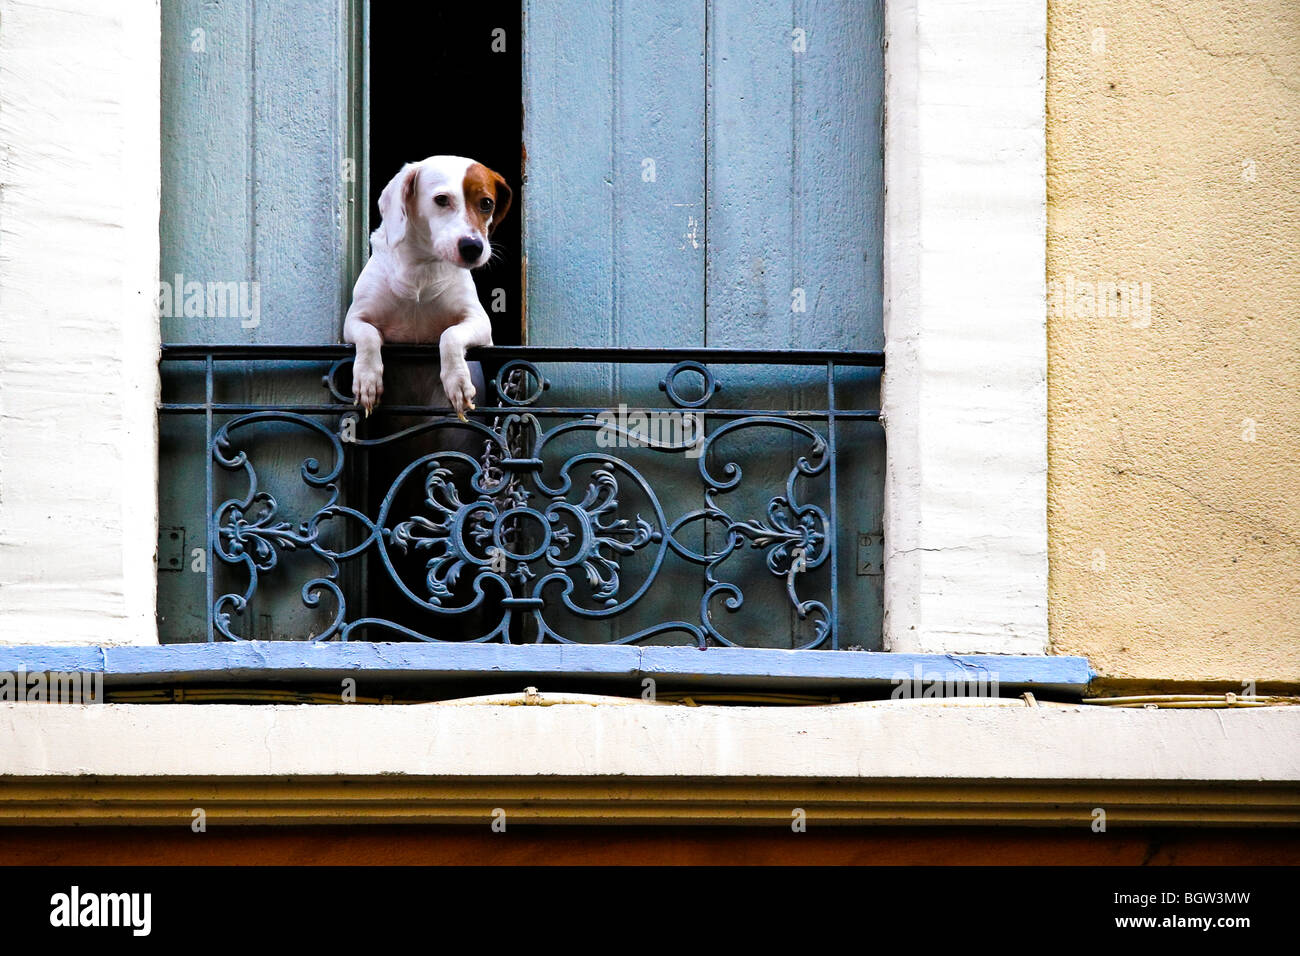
x,y
482,183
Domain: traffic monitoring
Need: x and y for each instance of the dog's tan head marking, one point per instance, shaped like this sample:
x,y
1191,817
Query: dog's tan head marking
x,y
487,197
445,207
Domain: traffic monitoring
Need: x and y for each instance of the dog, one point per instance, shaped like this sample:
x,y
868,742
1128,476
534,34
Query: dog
x,y
437,217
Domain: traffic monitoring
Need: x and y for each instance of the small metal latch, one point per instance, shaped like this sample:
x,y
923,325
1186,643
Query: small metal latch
x,y
171,549
871,553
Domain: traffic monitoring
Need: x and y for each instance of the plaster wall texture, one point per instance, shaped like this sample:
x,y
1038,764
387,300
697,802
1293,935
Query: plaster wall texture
x,y
78,320
964,397
1174,433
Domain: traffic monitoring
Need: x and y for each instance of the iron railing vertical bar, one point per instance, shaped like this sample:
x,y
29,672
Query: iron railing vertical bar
x,y
210,556
833,451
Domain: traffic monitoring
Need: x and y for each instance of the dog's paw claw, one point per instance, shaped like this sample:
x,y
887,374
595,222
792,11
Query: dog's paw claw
x,y
460,392
367,386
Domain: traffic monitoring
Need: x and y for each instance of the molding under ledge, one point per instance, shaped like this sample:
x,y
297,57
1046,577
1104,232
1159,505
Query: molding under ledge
x,y
622,666
112,801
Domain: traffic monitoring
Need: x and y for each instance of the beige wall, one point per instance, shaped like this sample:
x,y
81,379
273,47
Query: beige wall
x,y
1172,159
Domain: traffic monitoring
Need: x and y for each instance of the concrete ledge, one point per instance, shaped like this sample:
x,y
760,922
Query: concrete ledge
x,y
680,666
882,762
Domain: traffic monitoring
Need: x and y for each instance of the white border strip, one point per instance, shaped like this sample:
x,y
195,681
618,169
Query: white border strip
x,y
965,399
79,197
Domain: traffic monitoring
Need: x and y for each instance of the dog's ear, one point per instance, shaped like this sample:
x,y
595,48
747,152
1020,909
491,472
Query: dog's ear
x,y
395,201
503,199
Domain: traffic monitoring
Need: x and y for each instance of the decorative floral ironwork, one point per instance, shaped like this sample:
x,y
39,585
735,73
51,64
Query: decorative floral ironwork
x,y
510,535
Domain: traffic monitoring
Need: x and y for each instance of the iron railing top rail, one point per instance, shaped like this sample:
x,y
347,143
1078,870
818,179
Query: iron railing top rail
x,y
541,353
529,356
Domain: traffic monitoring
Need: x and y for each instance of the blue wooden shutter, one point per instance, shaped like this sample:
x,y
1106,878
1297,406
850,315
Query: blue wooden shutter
x,y
696,171
262,182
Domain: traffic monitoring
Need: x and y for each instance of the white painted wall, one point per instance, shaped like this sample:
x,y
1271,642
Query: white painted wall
x,y
965,396
79,187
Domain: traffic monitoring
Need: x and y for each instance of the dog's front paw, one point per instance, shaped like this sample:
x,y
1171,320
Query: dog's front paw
x,y
367,384
460,390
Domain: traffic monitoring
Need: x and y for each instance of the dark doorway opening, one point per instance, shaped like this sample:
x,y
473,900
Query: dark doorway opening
x,y
448,79
445,79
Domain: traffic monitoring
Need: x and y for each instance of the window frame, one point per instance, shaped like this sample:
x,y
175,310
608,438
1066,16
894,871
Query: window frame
x,y
966,578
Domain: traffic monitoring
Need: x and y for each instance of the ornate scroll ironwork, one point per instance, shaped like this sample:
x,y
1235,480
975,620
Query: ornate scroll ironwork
x,y
479,543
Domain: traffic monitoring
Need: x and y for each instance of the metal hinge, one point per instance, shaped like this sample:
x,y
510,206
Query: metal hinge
x,y
871,553
171,549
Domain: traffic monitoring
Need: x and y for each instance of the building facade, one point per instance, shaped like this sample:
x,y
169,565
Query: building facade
x,y
1088,497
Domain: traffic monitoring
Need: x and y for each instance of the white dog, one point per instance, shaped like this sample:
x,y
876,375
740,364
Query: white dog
x,y
416,288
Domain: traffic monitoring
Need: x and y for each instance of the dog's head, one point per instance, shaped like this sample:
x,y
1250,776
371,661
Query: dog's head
x,y
446,205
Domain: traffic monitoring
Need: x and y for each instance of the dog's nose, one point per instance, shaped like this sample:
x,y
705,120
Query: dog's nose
x,y
470,248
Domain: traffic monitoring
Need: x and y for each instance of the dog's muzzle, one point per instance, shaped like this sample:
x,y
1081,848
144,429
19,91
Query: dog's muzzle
x,y
470,249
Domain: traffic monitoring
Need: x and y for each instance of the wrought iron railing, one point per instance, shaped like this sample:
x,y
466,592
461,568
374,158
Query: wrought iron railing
x,y
560,511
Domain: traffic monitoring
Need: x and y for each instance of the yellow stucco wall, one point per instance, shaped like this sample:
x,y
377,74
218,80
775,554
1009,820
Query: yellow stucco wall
x,y
1173,128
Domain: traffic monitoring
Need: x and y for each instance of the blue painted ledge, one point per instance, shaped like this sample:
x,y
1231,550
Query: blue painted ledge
x,y
716,667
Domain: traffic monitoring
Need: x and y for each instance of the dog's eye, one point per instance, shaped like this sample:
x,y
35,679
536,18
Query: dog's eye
x,y
485,205
442,200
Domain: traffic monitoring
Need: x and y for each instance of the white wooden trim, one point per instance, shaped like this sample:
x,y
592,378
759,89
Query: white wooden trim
x,y
79,194
965,395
